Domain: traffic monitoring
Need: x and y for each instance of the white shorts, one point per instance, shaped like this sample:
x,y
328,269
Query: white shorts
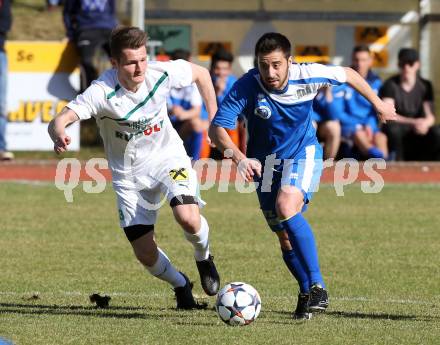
x,y
158,185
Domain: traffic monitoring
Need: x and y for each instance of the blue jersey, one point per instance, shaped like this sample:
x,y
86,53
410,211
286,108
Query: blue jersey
x,y
352,108
278,121
323,109
229,83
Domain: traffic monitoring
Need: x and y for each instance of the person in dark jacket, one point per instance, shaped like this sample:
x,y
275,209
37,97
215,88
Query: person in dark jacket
x,y
414,136
88,25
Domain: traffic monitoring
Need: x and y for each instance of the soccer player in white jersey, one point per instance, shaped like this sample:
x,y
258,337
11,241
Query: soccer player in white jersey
x,y
276,100
145,154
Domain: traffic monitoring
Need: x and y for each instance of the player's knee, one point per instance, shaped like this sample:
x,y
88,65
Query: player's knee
x,y
287,209
188,219
289,202
332,128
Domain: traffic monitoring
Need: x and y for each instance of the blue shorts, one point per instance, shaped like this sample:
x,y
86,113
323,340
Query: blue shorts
x,y
348,130
303,172
322,117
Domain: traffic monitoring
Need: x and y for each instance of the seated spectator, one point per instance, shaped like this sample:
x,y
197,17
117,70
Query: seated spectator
x,y
223,79
325,121
185,106
413,136
359,126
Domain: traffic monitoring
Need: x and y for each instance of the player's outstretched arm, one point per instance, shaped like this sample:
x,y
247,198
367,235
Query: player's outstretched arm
x,y
246,167
385,111
202,78
57,128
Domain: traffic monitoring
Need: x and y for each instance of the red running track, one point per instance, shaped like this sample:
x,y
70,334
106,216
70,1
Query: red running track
x,y
407,172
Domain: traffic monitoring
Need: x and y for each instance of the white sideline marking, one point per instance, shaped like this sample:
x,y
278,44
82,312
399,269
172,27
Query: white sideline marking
x,y
144,295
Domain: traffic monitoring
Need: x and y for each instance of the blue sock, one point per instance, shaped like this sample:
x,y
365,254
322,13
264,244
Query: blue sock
x,y
294,265
303,243
374,152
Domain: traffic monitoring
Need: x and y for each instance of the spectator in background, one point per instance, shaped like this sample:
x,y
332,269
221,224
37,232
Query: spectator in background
x,y
413,136
88,25
5,26
52,4
223,79
326,123
185,106
357,116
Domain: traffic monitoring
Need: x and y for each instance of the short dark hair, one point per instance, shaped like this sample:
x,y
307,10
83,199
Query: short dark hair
x,y
221,55
361,48
408,55
180,54
126,37
272,41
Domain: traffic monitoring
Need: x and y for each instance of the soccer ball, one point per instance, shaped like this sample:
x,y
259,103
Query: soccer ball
x,y
238,304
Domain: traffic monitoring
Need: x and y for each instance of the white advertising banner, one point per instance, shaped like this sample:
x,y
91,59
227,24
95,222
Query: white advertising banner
x,y
43,77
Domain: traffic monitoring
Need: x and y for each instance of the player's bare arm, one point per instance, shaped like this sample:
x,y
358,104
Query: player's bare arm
x,y
57,128
202,78
385,111
247,167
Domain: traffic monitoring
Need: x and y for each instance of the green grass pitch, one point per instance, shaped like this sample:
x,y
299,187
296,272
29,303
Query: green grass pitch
x,y
379,254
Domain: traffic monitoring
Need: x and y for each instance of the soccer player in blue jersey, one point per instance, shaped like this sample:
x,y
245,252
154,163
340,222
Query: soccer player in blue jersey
x,y
276,100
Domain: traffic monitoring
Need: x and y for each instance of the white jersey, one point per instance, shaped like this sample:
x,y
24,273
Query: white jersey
x,y
135,126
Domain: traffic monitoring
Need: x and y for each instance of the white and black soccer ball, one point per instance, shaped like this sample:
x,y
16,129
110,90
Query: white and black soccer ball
x,y
238,304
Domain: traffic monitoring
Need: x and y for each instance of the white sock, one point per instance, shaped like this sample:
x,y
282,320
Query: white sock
x,y
200,240
164,270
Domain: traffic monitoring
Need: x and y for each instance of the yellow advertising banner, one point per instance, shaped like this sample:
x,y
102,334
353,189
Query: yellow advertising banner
x,y
38,56
371,34
42,78
376,37
306,53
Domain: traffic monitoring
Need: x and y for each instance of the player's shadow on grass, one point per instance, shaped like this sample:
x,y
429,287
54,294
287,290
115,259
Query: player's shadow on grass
x,y
380,316
358,315
122,312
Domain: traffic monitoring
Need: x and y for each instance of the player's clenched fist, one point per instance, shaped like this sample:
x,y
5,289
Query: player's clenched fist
x,y
248,168
61,143
386,112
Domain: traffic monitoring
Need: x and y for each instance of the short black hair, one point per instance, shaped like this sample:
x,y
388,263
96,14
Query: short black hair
x,y
408,55
180,54
273,41
221,55
361,48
